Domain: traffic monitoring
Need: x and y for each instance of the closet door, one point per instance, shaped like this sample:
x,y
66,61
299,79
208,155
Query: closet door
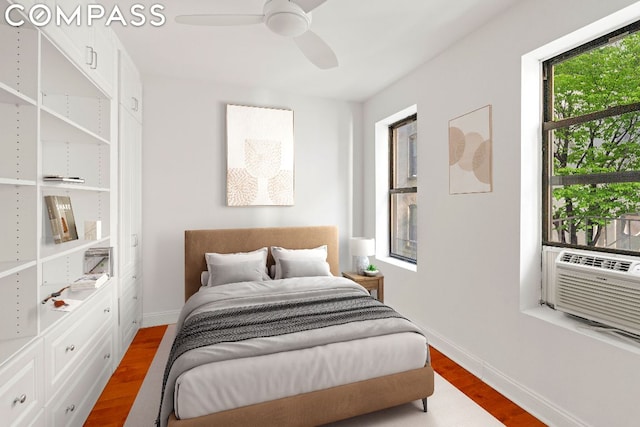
x,y
130,191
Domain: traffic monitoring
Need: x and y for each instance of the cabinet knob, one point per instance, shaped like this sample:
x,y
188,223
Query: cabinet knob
x,y
70,408
71,348
21,399
107,310
107,356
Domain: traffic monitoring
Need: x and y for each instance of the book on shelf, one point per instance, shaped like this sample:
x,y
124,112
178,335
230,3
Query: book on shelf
x,y
60,178
63,224
98,260
89,281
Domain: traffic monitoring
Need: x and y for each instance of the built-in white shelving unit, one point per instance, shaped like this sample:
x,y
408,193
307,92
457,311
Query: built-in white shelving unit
x,y
59,115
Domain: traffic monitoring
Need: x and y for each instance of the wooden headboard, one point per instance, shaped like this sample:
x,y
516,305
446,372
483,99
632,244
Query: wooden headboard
x,y
198,242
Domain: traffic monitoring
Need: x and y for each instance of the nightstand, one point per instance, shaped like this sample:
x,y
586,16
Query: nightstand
x,y
370,283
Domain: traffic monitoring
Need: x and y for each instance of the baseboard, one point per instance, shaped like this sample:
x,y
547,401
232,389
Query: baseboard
x,y
527,399
160,318
530,401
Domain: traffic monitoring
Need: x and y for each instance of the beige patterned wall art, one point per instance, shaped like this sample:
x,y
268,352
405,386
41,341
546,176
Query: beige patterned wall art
x,y
259,156
470,152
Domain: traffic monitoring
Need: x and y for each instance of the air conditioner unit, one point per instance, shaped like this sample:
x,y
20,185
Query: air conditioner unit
x,y
604,289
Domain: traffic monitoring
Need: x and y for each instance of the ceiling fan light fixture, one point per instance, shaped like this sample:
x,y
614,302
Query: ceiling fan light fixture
x,y
286,18
288,24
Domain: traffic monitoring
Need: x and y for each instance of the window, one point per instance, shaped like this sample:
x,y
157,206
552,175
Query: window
x,y
591,145
403,189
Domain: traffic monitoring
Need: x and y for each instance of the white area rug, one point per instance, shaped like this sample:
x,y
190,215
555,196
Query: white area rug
x,y
448,407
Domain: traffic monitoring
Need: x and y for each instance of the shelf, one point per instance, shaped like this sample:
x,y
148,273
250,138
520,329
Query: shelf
x,y
51,252
75,187
56,127
9,95
7,268
17,182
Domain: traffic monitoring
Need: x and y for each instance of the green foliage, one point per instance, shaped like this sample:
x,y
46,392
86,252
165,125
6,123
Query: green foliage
x,y
372,267
594,81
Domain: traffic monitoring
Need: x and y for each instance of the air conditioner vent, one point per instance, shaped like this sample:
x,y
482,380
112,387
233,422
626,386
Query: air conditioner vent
x,y
599,288
596,261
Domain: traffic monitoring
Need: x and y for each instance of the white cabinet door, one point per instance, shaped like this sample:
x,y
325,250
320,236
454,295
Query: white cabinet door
x,y
91,48
130,146
104,63
130,87
130,190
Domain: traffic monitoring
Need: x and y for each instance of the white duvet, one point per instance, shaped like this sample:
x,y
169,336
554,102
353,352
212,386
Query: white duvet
x,y
229,375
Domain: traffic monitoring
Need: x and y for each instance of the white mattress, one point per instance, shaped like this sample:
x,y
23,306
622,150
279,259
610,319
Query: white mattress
x,y
230,384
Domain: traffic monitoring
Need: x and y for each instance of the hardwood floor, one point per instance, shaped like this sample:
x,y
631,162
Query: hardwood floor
x,y
116,400
493,402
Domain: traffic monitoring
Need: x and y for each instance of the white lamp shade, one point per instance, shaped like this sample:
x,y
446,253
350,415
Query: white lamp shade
x,y
361,246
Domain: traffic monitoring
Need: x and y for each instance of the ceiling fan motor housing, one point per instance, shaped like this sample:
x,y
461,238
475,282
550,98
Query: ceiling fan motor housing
x,y
286,18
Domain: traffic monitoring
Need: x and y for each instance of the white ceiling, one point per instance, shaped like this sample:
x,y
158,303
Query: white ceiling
x,y
376,41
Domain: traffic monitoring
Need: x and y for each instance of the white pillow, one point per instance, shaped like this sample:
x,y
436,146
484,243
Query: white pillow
x,y
215,259
243,271
278,253
304,267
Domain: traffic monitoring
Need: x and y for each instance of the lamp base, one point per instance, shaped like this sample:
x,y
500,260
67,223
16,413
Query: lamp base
x,y
360,264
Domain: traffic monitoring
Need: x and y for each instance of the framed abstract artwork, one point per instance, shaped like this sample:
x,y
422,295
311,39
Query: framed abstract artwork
x,y
470,152
260,161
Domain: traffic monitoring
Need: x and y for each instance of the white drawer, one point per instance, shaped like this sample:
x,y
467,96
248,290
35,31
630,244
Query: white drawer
x,y
21,393
73,404
66,348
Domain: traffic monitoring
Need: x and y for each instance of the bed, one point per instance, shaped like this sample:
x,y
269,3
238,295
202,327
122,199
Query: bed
x,y
190,390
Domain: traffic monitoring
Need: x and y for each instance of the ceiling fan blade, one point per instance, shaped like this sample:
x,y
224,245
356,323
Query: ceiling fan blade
x,y
316,50
308,5
220,20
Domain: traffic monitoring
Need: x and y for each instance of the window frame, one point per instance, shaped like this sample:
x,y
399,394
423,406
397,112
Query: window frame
x,y
549,125
399,190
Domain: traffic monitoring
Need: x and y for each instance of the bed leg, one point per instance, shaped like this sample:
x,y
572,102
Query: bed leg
x,y
424,404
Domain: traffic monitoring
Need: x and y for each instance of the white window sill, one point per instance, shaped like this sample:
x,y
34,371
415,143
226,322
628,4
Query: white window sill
x,y
563,320
398,263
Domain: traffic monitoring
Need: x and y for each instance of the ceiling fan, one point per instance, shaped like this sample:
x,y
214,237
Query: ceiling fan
x,y
284,17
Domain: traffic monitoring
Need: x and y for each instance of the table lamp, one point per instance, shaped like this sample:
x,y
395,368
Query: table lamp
x,y
360,249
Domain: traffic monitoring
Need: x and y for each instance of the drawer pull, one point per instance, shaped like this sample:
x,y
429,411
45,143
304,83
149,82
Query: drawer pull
x,y
70,408
21,399
71,348
107,310
107,356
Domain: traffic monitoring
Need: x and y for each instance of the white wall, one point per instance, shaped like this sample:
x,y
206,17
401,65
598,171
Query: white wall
x,y
467,291
184,170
